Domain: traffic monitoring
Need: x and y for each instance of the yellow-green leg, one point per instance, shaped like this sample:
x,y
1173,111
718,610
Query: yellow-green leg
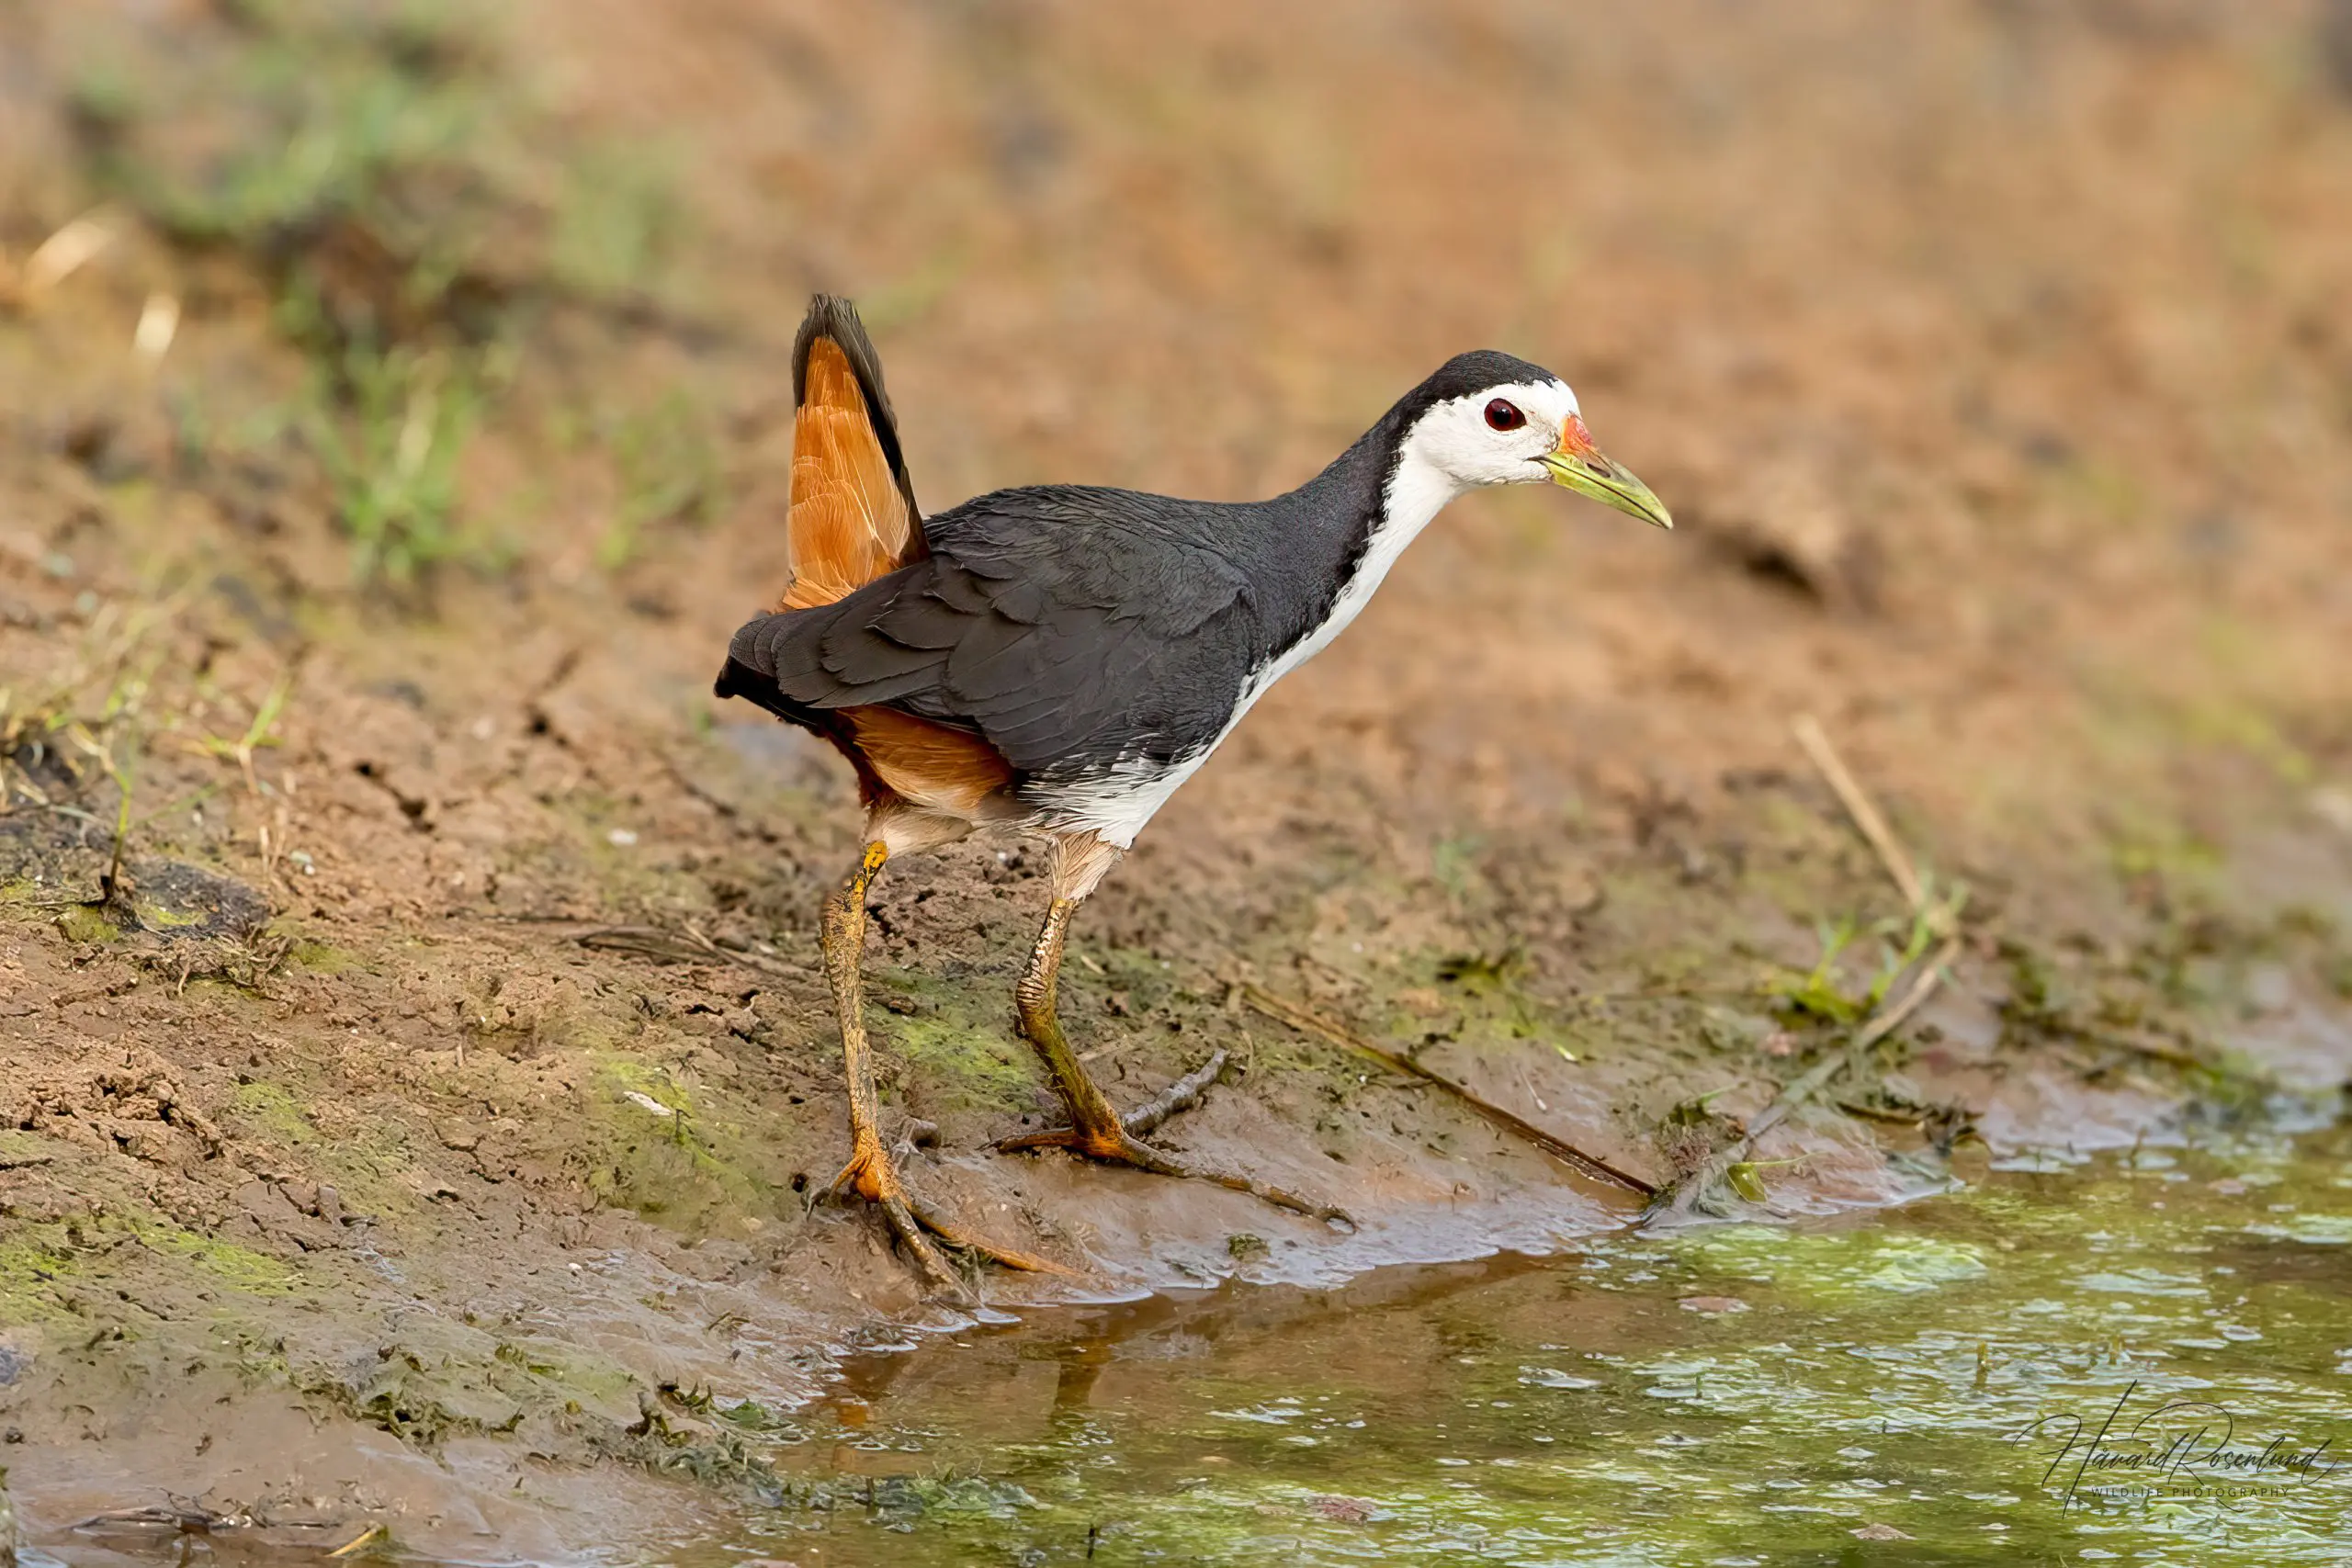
x,y
1096,1129
871,1173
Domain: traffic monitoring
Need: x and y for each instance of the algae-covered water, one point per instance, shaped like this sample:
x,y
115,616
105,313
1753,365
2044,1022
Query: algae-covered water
x,y
2141,1359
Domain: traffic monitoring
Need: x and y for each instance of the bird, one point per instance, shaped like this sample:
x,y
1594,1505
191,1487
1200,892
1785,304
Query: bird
x,y
1056,660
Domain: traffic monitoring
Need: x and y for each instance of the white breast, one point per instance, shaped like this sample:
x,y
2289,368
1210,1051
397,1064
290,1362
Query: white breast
x,y
1117,804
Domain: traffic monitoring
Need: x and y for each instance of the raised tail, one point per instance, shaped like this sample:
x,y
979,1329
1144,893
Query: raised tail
x,y
854,519
853,516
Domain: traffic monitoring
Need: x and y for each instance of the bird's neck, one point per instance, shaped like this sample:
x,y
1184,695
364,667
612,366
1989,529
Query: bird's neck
x,y
1335,538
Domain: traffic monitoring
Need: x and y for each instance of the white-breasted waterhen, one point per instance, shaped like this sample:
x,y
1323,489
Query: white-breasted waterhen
x,y
1056,660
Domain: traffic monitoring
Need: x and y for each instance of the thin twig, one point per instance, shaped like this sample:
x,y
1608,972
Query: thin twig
x,y
355,1542
1876,1113
687,946
1687,1193
1658,993
650,941
1923,985
2139,1044
63,254
1858,807
1177,1098
1309,1022
1680,1199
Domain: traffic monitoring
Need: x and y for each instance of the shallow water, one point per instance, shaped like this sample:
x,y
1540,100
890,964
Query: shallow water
x,y
1739,1395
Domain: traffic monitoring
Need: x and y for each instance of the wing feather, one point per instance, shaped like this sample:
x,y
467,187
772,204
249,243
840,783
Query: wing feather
x,y
1064,627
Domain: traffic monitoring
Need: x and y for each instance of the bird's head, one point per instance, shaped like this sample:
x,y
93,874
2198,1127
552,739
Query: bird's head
x,y
1488,419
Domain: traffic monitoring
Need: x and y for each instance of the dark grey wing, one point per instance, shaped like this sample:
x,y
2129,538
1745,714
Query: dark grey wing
x,y
1070,629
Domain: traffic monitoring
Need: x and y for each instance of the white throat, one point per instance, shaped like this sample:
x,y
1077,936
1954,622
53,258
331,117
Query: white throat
x,y
1495,435
1417,491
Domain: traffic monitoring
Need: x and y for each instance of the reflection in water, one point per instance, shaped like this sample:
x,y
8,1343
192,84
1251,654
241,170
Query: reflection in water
x,y
2140,1361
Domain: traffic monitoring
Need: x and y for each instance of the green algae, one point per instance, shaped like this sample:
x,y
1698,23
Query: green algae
x,y
680,1153
371,1164
271,1111
322,958
444,1379
88,922
32,1264
962,1067
1733,1395
955,1037
1830,1264
238,1268
49,1269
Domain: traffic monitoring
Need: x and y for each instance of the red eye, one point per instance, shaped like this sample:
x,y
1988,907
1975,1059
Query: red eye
x,y
1503,414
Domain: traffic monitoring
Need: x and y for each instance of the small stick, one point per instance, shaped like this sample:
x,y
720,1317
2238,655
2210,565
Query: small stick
x,y
689,946
1885,1021
1858,807
651,942
1178,1096
159,322
1873,1113
1678,1201
2139,1044
63,254
1308,1022
1888,1019
1659,993
355,1542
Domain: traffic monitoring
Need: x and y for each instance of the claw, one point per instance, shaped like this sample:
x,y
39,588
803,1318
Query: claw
x,y
1121,1143
872,1176
870,1172
1097,1130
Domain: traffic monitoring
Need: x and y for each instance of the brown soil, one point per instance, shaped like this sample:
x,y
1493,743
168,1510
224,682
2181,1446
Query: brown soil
x,y
1994,357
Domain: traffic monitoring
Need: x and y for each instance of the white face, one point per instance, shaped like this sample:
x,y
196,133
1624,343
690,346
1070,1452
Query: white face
x,y
1498,436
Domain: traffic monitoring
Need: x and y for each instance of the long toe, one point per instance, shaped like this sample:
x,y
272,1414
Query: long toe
x,y
1051,1138
930,1217
871,1175
1118,1147
1144,1156
940,1281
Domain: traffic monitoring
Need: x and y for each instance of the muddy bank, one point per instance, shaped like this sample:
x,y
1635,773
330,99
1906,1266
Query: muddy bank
x,y
357,613
483,1290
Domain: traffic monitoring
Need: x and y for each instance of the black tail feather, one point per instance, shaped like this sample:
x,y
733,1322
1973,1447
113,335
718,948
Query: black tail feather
x,y
830,316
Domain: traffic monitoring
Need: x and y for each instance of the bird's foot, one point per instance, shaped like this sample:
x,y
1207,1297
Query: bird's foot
x,y
1176,1099
1119,1141
871,1175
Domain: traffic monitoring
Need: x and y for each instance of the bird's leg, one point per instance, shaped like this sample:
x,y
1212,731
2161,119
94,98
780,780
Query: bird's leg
x,y
1036,1000
1096,1129
871,1173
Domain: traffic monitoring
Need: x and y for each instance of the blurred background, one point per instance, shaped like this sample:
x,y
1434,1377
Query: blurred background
x,y
1996,355
398,388
395,395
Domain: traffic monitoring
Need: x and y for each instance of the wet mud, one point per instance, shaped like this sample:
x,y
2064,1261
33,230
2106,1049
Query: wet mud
x,y
421,1093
